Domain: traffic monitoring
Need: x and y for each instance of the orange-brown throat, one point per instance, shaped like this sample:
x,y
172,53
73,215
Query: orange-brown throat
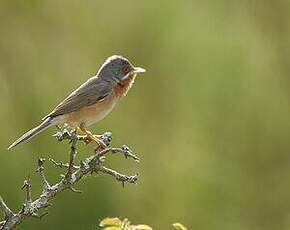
x,y
122,88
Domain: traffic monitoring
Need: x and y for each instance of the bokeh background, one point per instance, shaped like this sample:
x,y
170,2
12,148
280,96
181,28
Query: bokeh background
x,y
210,119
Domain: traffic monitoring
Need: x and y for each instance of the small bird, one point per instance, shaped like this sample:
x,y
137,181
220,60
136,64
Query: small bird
x,y
92,101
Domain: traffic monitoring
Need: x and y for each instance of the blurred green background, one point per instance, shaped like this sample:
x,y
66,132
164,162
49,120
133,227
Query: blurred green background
x,y
210,119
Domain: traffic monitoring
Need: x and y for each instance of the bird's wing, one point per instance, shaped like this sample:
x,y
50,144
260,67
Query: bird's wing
x,y
92,91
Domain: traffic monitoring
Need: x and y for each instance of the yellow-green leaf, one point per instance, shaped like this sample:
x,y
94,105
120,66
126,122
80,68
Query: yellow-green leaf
x,y
125,223
179,226
111,222
140,227
113,228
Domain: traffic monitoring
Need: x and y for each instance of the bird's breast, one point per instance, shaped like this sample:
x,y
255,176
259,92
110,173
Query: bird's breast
x,y
91,114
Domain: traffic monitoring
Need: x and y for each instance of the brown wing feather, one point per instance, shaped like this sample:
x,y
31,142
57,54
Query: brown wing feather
x,y
92,91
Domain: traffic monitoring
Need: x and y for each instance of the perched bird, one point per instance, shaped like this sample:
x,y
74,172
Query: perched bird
x,y
92,101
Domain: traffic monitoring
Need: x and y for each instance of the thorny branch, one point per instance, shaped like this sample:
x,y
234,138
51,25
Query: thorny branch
x,y
74,173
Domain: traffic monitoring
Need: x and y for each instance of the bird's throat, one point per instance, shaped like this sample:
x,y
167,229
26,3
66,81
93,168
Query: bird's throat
x,y
122,88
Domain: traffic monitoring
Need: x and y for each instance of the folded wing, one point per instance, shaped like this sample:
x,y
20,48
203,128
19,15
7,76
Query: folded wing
x,y
91,92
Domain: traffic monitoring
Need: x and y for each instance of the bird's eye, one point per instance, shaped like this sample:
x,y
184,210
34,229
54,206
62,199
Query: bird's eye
x,y
125,69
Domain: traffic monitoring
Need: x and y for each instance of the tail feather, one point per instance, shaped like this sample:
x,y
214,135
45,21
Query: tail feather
x,y
33,132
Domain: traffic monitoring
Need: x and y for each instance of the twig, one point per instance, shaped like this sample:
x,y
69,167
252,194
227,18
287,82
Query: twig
x,y
74,173
7,212
73,154
40,170
62,165
124,150
27,187
119,177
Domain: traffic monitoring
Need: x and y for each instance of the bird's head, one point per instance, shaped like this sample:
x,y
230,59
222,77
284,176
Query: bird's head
x,y
117,68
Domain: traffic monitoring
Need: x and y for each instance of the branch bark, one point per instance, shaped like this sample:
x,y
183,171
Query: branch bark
x,y
74,173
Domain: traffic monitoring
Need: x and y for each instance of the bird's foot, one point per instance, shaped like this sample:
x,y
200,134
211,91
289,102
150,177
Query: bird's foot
x,y
89,138
92,138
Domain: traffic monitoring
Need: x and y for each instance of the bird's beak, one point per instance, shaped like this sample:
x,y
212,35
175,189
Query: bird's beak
x,y
138,70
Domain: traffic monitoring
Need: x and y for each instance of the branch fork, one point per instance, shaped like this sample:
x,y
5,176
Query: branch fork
x,y
74,173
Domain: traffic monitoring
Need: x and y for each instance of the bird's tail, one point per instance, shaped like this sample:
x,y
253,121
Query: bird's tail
x,y
33,132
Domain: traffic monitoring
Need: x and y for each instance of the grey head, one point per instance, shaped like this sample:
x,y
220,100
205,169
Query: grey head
x,y
116,68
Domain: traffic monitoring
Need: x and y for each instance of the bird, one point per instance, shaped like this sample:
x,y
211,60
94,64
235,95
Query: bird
x,y
90,102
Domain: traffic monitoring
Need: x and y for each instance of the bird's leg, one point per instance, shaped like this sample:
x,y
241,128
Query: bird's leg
x,y
90,137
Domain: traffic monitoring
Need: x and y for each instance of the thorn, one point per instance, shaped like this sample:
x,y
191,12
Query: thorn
x,y
58,135
102,159
26,184
128,153
47,205
37,216
59,164
75,190
40,164
23,207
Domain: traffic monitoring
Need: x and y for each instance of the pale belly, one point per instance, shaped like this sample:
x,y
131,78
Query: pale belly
x,y
91,114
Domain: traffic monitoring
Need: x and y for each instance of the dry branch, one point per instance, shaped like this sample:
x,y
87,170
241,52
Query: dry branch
x,y
74,173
